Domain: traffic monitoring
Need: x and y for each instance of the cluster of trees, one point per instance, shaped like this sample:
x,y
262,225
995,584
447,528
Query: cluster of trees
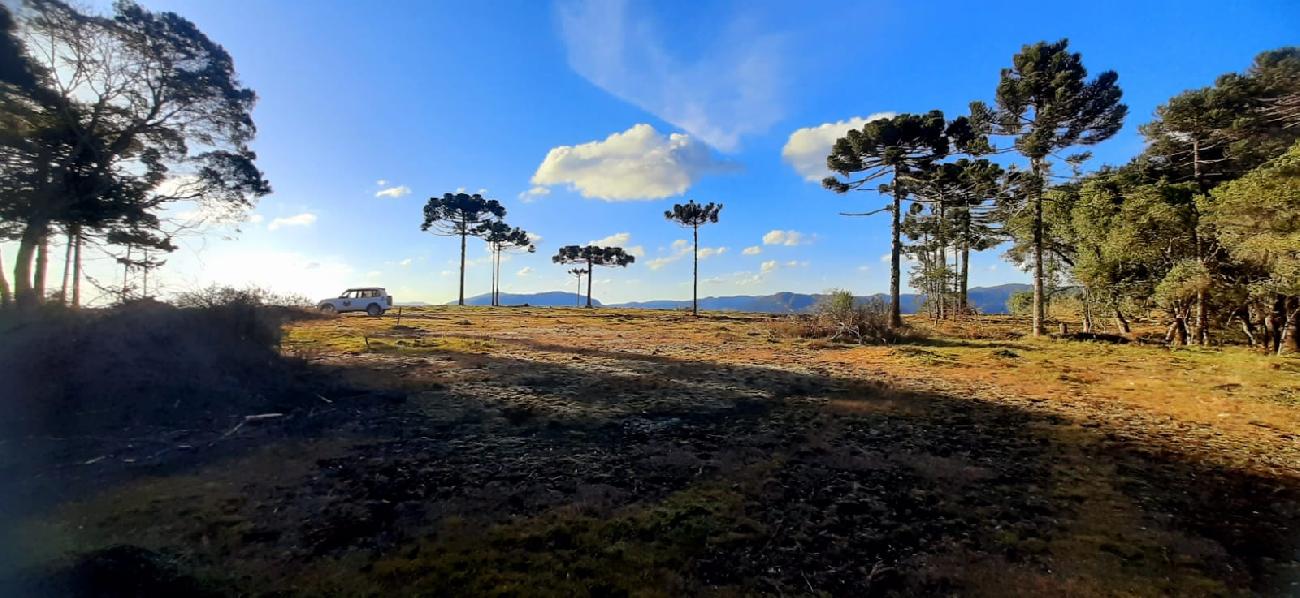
x,y
1203,226
464,215
105,122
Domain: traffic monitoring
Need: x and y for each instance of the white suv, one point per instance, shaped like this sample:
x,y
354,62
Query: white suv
x,y
372,300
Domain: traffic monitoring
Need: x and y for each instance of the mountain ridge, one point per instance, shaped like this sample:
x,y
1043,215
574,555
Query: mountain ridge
x,y
989,300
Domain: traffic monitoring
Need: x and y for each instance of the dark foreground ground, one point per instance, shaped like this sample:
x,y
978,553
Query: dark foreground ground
x,y
564,452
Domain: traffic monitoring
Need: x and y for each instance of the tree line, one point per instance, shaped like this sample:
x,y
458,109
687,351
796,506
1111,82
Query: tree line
x,y
1203,226
105,122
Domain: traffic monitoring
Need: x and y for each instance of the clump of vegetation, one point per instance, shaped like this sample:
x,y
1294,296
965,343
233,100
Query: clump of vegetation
x,y
217,295
840,316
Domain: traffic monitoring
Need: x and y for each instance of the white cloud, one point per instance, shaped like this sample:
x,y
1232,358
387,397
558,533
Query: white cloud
x,y
807,148
534,193
256,218
680,249
730,87
638,163
796,264
405,263
303,219
864,268
397,191
768,266
525,271
381,182
616,240
786,237
620,240
753,250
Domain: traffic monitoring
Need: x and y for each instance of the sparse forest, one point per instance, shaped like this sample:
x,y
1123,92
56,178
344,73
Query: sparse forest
x,y
1198,230
1130,428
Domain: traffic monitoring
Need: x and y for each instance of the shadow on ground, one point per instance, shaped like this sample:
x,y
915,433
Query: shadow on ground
x,y
545,469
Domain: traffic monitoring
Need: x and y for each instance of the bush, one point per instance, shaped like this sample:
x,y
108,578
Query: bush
x,y
839,316
141,363
254,296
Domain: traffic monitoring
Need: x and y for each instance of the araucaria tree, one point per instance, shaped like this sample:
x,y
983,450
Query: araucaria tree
x,y
1048,105
592,256
502,238
577,273
894,149
109,119
691,215
461,215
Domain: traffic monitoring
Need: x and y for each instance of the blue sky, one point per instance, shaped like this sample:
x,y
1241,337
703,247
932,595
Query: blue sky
x,y
702,98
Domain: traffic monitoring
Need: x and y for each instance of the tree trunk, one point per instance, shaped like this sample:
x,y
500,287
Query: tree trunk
x,y
76,268
1179,330
896,248
5,296
963,297
461,299
590,271
496,277
695,273
1274,324
42,267
126,270
1038,318
1087,310
1121,322
578,302
1201,328
1292,334
24,294
1248,328
67,267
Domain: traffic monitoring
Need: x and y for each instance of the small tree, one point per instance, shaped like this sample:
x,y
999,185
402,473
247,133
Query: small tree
x,y
592,256
460,215
691,215
577,273
501,238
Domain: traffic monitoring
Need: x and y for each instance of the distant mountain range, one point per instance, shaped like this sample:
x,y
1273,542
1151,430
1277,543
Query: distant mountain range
x,y
989,300
547,299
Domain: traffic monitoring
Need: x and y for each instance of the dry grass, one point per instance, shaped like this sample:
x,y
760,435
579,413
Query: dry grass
x,y
1227,410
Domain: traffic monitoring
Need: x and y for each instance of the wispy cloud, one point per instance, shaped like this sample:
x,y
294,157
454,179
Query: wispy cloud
x,y
398,191
723,91
807,148
753,250
786,237
682,248
525,271
639,163
298,220
534,194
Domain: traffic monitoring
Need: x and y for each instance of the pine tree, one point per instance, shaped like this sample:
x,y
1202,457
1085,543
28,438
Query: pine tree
x,y
691,215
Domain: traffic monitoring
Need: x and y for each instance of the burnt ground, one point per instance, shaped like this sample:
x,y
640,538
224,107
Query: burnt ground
x,y
559,452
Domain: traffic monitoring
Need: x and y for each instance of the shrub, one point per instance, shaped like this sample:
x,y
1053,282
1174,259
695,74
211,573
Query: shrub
x,y
839,316
254,296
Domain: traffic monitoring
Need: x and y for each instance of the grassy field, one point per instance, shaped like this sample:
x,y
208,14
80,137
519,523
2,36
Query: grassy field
x,y
524,451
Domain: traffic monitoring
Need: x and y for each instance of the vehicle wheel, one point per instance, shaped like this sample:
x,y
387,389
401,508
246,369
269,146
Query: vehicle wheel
x,y
374,310
327,309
